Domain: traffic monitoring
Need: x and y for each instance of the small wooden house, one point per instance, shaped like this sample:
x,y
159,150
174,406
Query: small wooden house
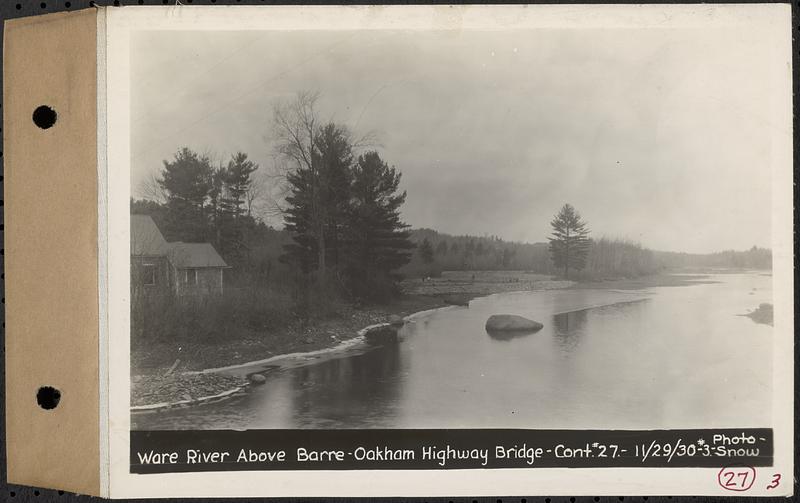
x,y
197,268
161,267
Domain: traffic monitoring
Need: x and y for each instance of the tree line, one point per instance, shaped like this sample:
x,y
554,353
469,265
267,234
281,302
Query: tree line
x,y
342,205
752,258
343,234
569,253
340,201
606,258
193,199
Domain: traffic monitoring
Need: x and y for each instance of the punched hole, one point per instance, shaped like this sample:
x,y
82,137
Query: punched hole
x,y
48,397
44,117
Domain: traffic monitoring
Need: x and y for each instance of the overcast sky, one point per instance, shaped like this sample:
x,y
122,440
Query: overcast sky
x,y
659,136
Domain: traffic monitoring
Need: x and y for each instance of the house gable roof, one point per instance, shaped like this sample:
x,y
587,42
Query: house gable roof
x,y
146,239
194,255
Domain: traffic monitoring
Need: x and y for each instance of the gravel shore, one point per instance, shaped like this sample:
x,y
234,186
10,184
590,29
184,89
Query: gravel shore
x,y
153,390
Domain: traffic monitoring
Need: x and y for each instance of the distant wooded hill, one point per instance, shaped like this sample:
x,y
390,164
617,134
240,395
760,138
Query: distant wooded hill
x,y
608,258
754,258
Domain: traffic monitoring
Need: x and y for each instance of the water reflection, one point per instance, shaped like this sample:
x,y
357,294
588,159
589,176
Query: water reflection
x,y
362,387
507,335
569,328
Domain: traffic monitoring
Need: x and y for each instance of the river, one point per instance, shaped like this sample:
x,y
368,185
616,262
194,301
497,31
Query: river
x,y
662,357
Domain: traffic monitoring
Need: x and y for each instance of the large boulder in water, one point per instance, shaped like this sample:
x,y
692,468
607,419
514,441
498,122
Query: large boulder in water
x,y
511,323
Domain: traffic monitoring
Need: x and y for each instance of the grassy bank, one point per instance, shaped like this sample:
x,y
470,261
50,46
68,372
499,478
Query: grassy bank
x,y
151,357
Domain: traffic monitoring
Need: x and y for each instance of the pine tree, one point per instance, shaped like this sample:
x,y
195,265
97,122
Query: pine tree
x,y
378,238
319,201
215,206
569,243
303,251
237,181
186,181
296,128
334,153
231,212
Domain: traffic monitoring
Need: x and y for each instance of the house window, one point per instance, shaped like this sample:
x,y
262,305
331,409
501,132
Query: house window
x,y
191,276
148,274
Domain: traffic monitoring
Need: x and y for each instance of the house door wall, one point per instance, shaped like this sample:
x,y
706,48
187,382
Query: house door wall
x,y
209,281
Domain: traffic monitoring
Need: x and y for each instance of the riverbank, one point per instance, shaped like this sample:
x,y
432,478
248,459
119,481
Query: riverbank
x,y
164,372
167,371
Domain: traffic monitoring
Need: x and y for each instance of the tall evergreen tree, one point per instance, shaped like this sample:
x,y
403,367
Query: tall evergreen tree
x,y
186,181
236,179
569,243
319,157
235,182
334,150
319,199
215,205
378,237
296,126
303,250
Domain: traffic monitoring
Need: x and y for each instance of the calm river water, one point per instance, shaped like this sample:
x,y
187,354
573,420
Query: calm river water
x,y
666,357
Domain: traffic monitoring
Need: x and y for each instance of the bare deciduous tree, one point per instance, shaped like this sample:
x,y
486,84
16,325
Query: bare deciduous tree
x,y
296,126
151,189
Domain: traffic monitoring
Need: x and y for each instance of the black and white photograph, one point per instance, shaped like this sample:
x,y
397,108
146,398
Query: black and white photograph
x,y
394,229
495,229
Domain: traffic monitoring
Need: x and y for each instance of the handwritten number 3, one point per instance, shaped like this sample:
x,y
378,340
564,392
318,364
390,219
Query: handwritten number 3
x,y
776,480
